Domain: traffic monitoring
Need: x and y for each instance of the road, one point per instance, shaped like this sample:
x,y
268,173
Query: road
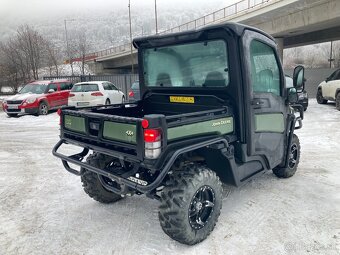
x,y
43,209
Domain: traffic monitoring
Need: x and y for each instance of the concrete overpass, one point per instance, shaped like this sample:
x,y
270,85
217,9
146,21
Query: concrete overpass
x,y
292,22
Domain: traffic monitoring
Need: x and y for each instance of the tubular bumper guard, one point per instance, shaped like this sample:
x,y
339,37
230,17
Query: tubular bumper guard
x,y
122,180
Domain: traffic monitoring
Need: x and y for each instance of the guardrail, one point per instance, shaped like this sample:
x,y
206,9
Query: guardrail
x,y
223,13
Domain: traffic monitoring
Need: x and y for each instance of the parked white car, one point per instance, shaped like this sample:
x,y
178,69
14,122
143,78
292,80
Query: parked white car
x,y
93,93
329,90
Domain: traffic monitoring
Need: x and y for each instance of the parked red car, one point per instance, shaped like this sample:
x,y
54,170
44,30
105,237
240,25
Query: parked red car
x,y
38,98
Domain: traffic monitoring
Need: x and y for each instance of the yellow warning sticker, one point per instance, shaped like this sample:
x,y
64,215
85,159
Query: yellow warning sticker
x,y
186,100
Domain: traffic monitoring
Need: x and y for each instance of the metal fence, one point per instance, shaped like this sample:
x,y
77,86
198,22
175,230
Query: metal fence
x,y
122,81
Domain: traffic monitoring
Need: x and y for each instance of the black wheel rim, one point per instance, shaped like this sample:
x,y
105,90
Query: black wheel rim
x,y
293,155
201,207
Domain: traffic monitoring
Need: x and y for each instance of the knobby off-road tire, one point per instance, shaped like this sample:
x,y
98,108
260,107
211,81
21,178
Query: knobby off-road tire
x,y
319,97
337,101
293,160
191,203
91,183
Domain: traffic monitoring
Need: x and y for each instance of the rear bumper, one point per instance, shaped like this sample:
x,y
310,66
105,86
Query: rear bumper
x,y
123,179
33,110
304,103
86,103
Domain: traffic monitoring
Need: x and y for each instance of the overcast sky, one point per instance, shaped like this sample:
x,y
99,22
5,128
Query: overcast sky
x,y
38,13
36,7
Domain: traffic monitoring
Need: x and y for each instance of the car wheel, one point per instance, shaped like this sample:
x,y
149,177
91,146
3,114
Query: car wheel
x,y
43,108
107,102
319,97
191,203
293,160
337,101
12,115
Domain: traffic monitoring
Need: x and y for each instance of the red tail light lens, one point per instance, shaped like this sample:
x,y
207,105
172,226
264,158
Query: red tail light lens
x,y
71,95
59,113
145,124
97,94
152,135
131,94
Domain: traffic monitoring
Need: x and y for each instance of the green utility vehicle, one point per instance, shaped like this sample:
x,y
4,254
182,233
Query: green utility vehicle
x,y
214,108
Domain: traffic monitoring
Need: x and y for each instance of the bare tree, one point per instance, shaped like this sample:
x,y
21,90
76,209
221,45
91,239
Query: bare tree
x,y
32,44
52,57
22,56
336,54
83,48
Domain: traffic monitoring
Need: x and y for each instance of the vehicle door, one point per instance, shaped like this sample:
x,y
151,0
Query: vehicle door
x,y
65,88
53,95
333,82
116,94
267,115
108,92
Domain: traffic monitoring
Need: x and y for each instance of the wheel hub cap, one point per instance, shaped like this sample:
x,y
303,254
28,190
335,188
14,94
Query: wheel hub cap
x,y
201,207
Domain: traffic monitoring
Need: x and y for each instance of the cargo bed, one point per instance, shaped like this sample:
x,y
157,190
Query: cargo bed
x,y
117,129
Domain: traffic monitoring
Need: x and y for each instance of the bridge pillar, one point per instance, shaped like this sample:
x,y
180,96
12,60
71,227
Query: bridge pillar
x,y
279,43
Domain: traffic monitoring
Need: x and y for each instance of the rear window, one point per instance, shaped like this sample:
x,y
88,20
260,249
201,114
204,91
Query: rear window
x,y
135,85
84,88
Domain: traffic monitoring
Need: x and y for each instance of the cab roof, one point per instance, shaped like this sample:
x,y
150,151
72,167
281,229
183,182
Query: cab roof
x,y
235,28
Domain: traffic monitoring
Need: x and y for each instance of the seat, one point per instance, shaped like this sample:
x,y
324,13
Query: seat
x,y
264,81
163,79
214,79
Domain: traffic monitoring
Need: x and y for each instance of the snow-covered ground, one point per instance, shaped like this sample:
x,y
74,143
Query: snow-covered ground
x,y
43,209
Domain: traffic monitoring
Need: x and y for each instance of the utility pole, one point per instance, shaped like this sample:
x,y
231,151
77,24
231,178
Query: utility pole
x,y
66,38
67,45
132,71
156,16
331,55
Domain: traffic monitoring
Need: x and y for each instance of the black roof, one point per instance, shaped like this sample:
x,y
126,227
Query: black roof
x,y
235,28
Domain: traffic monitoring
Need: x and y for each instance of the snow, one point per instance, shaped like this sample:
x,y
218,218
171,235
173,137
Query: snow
x,y
44,210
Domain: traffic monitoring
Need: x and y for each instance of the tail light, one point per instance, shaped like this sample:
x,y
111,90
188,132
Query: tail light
x,y
97,94
59,113
153,143
71,95
131,94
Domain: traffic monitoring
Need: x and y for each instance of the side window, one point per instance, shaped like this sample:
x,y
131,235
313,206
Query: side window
x,y
337,76
113,86
65,86
265,74
106,86
333,76
53,86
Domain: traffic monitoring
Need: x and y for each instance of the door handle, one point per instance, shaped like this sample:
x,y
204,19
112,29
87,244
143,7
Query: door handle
x,y
257,103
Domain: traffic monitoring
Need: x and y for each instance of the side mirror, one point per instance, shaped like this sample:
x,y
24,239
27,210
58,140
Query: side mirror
x,y
299,77
51,91
327,79
292,95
